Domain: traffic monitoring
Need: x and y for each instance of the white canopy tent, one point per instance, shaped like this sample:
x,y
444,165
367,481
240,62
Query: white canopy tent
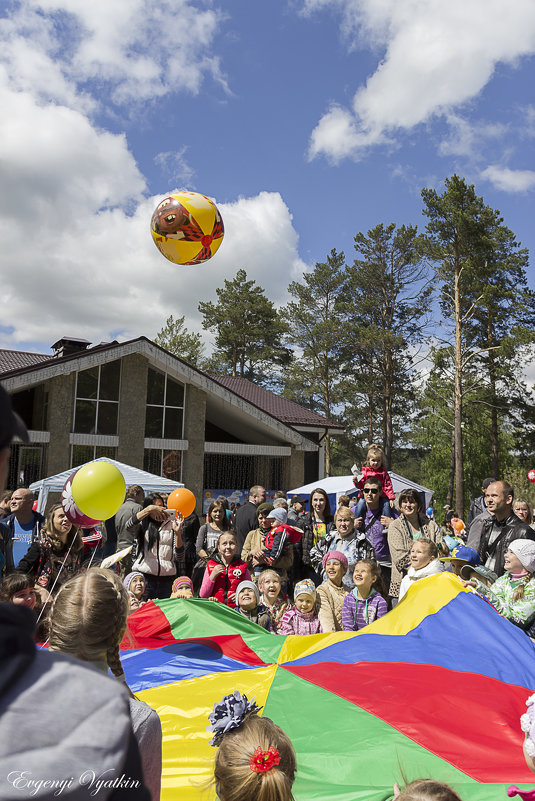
x,y
132,475
335,486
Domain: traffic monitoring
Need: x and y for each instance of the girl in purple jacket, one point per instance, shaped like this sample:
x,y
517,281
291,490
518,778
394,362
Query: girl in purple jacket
x,y
365,603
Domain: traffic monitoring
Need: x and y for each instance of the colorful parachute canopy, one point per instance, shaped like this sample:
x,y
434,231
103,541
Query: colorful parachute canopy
x,y
434,689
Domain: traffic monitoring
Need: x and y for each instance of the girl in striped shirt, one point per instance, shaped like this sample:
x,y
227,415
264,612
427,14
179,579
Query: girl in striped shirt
x,y
365,603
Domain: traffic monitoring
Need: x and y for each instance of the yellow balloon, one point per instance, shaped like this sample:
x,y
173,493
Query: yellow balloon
x,y
98,490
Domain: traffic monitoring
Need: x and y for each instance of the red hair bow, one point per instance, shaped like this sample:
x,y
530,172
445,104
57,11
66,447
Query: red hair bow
x,y
262,761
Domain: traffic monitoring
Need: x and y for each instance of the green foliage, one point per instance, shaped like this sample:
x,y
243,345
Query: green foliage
x,y
248,331
175,338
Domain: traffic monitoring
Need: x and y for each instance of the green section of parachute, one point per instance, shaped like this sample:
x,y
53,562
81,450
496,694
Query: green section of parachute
x,y
197,617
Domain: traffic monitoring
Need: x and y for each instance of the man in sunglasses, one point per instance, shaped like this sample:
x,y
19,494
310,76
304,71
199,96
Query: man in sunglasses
x,y
375,525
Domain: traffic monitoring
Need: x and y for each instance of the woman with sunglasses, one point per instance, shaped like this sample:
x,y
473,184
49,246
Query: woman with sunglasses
x,y
410,526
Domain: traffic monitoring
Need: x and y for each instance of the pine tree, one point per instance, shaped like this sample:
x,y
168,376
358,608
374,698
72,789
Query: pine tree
x,y
175,338
248,331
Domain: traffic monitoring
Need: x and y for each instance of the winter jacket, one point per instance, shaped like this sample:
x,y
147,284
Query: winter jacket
x,y
331,598
260,616
161,558
358,613
295,622
7,529
226,584
382,476
61,719
512,528
501,593
400,542
436,566
355,547
256,539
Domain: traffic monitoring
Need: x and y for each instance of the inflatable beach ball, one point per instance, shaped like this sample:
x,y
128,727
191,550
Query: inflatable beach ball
x,y
187,228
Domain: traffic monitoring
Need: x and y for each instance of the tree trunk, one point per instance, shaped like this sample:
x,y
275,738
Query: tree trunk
x,y
327,455
387,423
495,471
458,393
370,419
449,498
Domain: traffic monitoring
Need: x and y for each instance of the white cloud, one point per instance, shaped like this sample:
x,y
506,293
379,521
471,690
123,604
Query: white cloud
x,y
138,49
509,180
437,56
466,138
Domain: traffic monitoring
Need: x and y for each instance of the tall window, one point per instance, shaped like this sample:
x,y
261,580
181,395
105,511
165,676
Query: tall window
x,y
97,399
86,453
163,463
165,407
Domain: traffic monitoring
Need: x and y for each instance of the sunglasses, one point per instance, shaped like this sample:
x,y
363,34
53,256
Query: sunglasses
x,y
370,491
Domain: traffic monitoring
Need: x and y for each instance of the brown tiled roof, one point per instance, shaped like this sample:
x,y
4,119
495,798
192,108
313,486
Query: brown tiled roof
x,y
283,409
19,359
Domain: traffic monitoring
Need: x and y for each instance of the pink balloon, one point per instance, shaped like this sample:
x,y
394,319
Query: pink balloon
x,y
531,476
76,517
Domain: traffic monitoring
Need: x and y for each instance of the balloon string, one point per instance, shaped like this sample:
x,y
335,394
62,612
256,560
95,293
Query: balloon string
x,y
56,580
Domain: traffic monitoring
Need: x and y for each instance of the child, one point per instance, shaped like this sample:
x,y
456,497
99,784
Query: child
x,y
182,587
425,790
423,561
248,600
365,603
255,758
224,571
19,588
374,468
513,594
280,537
458,557
302,618
332,592
88,621
273,597
136,587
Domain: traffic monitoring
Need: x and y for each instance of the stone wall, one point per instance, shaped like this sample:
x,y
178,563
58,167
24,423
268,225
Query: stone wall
x,y
132,404
194,423
60,415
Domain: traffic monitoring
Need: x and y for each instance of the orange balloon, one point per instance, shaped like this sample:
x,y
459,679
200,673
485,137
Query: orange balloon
x,y
458,525
183,500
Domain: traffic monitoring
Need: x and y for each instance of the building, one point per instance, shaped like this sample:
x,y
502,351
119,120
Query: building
x,y
137,403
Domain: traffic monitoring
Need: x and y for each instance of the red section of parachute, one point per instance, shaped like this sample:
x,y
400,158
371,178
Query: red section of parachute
x,y
150,628
486,747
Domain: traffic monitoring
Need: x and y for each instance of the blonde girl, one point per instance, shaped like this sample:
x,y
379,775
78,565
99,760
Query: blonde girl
x,y
88,621
58,555
272,597
524,510
255,759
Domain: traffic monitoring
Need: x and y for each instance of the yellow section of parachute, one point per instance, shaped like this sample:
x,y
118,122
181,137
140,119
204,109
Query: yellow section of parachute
x,y
188,757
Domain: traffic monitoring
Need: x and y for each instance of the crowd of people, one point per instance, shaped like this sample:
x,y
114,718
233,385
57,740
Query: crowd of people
x,y
293,566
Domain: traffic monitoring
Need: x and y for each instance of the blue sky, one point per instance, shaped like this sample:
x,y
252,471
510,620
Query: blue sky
x,y
306,120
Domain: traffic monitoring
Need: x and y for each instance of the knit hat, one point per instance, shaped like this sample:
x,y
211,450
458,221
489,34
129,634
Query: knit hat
x,y
279,514
182,581
264,508
525,550
462,553
128,579
248,585
297,499
305,587
336,555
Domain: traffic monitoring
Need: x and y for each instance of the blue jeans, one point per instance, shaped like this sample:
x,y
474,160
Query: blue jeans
x,y
360,508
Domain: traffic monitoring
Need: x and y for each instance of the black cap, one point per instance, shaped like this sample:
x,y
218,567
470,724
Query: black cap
x,y
10,423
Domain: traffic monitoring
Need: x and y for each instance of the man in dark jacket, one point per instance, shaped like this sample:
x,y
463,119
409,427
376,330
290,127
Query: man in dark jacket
x,y
133,503
246,519
21,528
492,538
